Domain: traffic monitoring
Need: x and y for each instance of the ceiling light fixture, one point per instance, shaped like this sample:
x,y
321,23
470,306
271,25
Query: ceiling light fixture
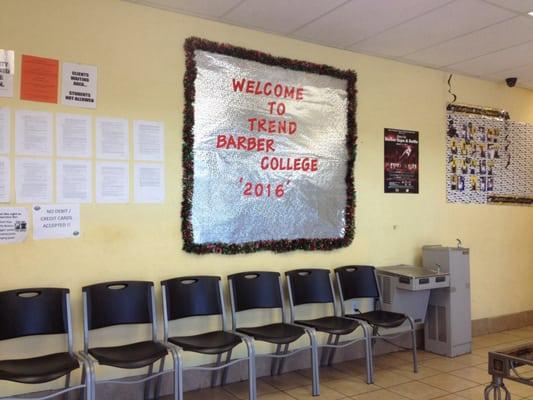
x,y
530,13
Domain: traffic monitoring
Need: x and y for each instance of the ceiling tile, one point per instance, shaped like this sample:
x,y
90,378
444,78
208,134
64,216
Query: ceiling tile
x,y
282,16
497,61
205,8
493,38
524,73
521,6
359,19
442,24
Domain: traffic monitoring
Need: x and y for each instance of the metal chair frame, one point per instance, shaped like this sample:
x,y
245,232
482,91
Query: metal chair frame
x,y
176,357
281,354
333,340
248,341
378,305
86,380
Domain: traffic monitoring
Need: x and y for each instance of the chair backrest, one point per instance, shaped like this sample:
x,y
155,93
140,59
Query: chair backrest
x,y
118,303
36,311
192,296
311,285
255,289
357,281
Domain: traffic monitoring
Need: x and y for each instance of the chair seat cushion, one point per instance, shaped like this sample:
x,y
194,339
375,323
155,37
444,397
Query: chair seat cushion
x,y
39,369
333,325
380,318
279,333
134,355
207,343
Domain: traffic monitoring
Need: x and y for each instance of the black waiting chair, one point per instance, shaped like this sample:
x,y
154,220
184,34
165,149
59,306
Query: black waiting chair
x,y
313,286
40,311
124,303
262,290
360,282
202,296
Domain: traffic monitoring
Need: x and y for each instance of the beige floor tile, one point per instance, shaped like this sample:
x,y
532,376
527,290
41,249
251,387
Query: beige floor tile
x,y
418,391
275,396
350,387
444,364
304,393
326,374
389,361
474,374
423,372
287,381
379,395
450,397
408,355
212,394
521,333
240,389
386,378
519,389
472,359
449,383
352,368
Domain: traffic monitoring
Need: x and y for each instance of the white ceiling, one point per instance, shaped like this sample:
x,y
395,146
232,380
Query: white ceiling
x,y
490,39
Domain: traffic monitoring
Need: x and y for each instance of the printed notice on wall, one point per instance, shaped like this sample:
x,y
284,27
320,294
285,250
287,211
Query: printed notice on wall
x,y
5,131
33,180
7,72
112,182
149,183
56,222
78,85
112,139
5,176
39,79
401,161
73,135
13,224
33,133
73,181
148,137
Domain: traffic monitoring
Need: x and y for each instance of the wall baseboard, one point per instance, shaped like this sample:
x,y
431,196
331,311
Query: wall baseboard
x,y
485,326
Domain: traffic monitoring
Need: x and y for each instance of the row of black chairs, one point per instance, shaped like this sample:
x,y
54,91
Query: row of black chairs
x,y
47,311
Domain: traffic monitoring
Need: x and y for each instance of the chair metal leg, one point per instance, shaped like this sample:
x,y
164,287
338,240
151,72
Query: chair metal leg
x,y
83,395
281,363
369,355
157,391
214,374
148,383
178,372
325,352
252,384
274,365
333,350
67,384
413,338
226,370
315,387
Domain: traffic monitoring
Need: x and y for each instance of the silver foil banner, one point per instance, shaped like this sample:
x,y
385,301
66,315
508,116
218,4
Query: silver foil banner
x,y
269,153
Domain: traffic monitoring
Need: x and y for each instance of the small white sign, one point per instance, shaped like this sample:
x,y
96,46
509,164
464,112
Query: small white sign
x,y
78,87
13,224
56,221
7,71
148,140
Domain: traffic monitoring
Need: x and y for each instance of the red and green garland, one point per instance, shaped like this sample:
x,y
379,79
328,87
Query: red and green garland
x,y
192,44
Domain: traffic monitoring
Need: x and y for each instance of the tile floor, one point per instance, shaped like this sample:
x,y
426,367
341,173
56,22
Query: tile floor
x,y
439,377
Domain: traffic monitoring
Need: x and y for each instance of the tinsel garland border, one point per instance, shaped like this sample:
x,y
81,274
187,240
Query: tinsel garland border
x,y
193,43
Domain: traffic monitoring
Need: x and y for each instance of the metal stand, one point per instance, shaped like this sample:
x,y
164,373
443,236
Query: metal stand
x,y
496,387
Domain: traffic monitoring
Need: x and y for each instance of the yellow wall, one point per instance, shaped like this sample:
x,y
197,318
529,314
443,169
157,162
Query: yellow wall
x,y
138,51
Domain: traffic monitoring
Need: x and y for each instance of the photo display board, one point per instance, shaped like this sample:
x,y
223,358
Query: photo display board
x,y
269,148
489,158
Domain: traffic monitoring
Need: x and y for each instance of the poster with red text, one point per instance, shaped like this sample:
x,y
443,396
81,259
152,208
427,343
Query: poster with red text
x,y
268,153
401,161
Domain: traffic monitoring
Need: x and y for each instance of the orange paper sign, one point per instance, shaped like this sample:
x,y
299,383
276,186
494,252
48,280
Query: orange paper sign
x,y
39,79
